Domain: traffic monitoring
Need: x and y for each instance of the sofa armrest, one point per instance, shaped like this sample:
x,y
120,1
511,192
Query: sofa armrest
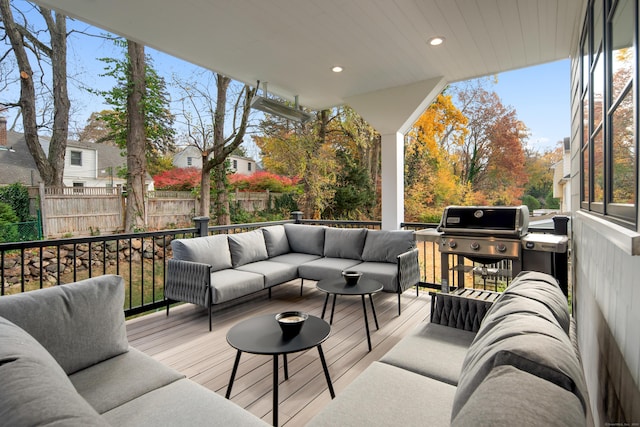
x,y
188,281
408,270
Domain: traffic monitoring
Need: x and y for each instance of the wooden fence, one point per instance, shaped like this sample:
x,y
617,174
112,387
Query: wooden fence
x,y
86,211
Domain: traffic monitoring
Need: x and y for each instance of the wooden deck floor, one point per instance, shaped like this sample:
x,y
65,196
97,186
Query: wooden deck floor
x,y
183,342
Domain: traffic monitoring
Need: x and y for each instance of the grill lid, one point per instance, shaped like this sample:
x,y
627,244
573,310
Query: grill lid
x,y
506,221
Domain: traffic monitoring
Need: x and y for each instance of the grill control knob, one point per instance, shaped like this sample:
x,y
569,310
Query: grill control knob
x,y
501,247
452,244
530,245
475,246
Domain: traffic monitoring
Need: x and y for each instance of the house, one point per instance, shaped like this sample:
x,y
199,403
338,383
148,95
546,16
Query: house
x,y
190,157
389,60
562,177
86,164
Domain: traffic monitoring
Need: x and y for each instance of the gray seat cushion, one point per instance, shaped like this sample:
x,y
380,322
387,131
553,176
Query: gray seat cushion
x,y
385,246
120,379
385,395
274,272
344,242
306,239
384,272
294,258
432,350
275,237
34,389
326,268
247,247
87,317
505,399
230,284
167,406
210,250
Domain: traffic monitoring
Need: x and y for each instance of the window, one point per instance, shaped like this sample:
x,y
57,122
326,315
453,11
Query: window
x,y
78,187
189,161
76,158
609,156
235,165
249,166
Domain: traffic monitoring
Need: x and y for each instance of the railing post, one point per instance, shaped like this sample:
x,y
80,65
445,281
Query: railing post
x,y
296,216
202,225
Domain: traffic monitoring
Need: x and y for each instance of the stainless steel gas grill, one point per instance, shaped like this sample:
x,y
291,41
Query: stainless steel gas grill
x,y
489,235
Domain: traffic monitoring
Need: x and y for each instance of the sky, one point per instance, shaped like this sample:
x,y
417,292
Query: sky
x,y
540,95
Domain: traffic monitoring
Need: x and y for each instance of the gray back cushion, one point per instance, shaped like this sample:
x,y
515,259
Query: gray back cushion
x,y
385,245
306,239
211,250
276,240
344,242
544,289
247,247
80,324
35,390
528,342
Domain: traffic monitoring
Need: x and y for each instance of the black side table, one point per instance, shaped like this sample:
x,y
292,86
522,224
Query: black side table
x,y
262,335
364,287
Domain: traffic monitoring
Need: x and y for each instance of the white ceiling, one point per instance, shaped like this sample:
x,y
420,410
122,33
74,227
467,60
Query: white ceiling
x,y
382,44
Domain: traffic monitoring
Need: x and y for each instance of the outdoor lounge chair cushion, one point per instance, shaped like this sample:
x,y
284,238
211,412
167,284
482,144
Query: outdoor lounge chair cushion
x,y
274,272
543,288
75,333
34,389
326,268
385,395
510,396
232,284
247,247
276,241
344,242
524,341
441,351
210,250
121,379
181,403
385,246
384,272
306,239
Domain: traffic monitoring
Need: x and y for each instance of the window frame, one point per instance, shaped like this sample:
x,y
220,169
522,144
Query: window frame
x,y
78,160
625,214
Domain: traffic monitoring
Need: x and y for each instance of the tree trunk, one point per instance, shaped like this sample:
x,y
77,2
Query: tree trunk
x,y
222,195
136,162
205,187
51,168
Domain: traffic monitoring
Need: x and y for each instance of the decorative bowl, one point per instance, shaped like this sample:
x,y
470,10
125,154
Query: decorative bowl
x,y
291,322
351,277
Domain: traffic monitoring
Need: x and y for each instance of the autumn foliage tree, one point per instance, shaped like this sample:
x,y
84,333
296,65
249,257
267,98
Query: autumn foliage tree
x,y
177,179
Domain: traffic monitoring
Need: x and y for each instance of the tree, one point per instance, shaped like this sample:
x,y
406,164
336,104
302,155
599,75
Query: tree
x,y
140,122
303,151
491,158
205,118
23,38
158,119
135,138
97,130
177,179
430,183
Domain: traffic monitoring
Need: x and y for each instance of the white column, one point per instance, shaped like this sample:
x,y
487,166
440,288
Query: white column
x,y
392,180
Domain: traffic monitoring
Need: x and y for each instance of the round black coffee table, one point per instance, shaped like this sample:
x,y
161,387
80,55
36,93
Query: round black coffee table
x,y
262,335
364,287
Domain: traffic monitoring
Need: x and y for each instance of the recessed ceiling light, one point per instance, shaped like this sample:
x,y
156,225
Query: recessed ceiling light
x,y
337,69
436,41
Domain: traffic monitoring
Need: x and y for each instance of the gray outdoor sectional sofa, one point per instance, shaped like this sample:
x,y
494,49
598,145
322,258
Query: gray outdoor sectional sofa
x,y
65,361
521,367
216,269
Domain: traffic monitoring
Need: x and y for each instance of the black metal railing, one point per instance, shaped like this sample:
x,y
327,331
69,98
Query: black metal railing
x,y
141,258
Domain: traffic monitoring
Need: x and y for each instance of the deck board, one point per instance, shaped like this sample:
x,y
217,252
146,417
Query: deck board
x,y
183,341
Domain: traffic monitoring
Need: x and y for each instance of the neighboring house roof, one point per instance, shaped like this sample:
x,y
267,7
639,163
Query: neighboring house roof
x,y
19,166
